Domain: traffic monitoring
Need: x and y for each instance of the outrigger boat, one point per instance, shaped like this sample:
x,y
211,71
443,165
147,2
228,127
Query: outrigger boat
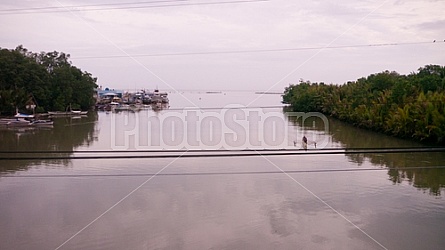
x,y
41,123
68,112
72,112
24,120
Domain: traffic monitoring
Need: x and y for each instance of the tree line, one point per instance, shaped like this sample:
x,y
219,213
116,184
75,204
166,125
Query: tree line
x,y
48,80
407,106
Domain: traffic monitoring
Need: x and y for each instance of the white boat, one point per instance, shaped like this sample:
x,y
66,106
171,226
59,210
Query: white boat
x,y
79,112
159,97
23,116
18,120
14,122
41,123
67,113
24,120
112,106
6,121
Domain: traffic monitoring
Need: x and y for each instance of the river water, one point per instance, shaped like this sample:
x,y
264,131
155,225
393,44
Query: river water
x,y
306,201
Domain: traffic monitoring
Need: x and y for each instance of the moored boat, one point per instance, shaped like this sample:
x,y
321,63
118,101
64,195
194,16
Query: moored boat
x,y
17,123
41,123
24,120
5,121
18,120
159,97
67,113
122,107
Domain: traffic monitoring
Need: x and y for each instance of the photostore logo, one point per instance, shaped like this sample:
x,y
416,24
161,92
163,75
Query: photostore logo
x,y
232,127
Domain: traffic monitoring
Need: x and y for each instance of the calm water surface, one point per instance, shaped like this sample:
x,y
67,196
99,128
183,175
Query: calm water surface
x,y
392,201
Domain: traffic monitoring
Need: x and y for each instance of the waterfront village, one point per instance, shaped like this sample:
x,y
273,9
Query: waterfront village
x,y
118,100
106,100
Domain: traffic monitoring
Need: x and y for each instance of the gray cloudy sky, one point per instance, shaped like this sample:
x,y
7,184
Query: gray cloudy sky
x,y
91,37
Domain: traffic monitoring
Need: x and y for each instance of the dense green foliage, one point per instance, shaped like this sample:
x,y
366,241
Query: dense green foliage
x,y
46,79
408,106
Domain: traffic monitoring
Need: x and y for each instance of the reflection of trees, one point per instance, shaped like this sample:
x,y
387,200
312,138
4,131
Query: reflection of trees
x,y
403,165
67,134
314,123
415,168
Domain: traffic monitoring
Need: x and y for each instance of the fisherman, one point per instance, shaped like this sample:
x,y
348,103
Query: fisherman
x,y
304,143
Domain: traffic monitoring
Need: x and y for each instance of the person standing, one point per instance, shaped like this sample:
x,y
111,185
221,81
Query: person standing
x,y
304,143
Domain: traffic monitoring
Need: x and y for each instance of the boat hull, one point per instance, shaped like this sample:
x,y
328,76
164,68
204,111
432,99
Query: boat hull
x,y
69,113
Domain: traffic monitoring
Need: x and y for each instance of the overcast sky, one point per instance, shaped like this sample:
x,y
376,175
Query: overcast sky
x,y
179,47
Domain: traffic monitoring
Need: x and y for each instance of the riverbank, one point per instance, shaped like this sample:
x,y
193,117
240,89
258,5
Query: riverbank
x,y
40,82
406,106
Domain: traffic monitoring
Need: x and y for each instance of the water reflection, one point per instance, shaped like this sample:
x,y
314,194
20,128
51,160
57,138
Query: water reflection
x,y
418,169
159,106
67,134
222,211
310,130
415,168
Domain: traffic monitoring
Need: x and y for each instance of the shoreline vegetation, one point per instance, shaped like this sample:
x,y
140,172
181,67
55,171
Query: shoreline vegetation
x,y
406,106
42,82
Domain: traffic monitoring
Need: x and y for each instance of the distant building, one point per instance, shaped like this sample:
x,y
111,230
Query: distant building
x,y
107,95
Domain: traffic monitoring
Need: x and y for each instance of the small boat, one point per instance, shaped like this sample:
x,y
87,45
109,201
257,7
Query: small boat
x,y
112,106
41,123
18,120
23,116
146,99
6,121
159,97
18,123
24,120
122,107
67,113
79,112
